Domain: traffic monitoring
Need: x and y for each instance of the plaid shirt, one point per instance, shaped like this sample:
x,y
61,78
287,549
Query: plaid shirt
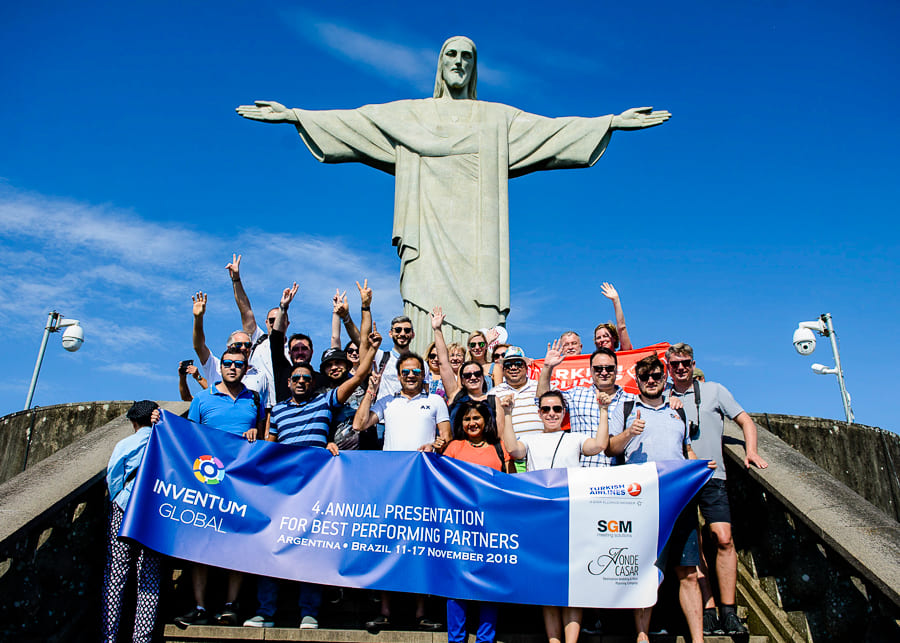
x,y
584,417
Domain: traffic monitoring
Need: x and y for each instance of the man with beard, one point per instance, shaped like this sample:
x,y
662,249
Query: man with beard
x,y
649,430
305,420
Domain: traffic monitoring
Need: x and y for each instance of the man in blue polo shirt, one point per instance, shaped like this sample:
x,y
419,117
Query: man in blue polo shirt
x,y
656,432
306,420
230,406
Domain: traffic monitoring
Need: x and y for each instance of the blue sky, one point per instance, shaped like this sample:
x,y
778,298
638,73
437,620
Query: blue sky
x,y
127,180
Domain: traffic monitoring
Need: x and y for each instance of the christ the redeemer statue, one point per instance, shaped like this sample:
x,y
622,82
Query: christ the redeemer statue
x,y
452,157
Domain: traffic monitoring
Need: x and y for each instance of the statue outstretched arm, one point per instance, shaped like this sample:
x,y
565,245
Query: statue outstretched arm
x,y
639,118
267,111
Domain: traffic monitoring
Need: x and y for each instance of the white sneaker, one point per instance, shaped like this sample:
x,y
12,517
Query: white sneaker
x,y
309,623
259,621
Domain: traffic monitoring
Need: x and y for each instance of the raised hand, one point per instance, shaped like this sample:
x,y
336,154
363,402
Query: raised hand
x,y
639,118
267,111
234,268
374,381
339,303
437,318
491,335
288,295
365,293
199,303
609,291
604,399
553,357
375,337
507,402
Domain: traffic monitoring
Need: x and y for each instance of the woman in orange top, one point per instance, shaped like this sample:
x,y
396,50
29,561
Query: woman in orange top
x,y
475,440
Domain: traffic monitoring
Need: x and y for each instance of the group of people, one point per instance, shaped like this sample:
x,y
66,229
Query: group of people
x,y
474,402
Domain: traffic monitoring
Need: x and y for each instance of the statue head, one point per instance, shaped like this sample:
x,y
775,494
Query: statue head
x,y
457,66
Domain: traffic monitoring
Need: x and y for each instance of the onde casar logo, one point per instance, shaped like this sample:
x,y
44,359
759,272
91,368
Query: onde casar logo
x,y
209,469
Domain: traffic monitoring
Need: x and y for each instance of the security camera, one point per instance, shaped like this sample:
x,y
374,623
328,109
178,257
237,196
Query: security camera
x,y
804,341
73,338
821,369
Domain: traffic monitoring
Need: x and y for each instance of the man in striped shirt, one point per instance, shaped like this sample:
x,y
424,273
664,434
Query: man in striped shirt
x,y
305,420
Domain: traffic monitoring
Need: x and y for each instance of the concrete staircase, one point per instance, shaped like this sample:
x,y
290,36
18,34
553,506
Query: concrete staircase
x,y
818,562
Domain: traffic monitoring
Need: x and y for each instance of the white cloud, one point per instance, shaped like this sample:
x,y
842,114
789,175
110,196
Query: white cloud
x,y
91,262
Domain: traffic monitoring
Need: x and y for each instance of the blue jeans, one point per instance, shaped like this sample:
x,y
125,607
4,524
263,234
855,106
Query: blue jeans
x,y
267,595
456,621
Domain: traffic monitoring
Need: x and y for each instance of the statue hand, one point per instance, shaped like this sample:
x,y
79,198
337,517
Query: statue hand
x,y
267,111
639,118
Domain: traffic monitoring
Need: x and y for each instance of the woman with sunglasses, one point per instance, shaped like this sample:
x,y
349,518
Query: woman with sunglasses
x,y
467,382
433,374
475,440
478,349
553,448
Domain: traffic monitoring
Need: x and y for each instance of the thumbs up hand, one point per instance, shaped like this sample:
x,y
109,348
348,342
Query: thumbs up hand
x,y
637,427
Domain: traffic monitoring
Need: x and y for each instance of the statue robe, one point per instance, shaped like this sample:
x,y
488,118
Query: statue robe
x,y
452,164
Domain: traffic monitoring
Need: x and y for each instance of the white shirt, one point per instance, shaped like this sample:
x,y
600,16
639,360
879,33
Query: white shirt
x,y
525,416
542,446
410,423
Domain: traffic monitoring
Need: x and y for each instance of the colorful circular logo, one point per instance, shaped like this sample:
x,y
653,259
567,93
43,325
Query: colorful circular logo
x,y
209,469
633,489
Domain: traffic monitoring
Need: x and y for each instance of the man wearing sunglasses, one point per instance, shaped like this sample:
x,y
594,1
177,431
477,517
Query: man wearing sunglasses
x,y
525,418
255,376
401,335
715,402
412,419
653,431
230,406
305,420
584,411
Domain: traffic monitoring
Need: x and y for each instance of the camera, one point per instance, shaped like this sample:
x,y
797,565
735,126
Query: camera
x,y
183,364
73,338
804,341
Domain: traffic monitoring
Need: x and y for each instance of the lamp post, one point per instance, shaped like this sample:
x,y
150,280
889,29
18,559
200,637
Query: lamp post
x,y
805,344
72,339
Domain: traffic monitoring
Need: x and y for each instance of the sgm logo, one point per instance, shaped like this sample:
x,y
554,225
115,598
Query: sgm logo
x,y
614,526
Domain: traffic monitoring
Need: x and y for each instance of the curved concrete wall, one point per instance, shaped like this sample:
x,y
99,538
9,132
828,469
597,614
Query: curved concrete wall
x,y
865,458
51,429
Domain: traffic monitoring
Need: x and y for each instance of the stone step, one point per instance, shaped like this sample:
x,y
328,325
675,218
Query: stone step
x,y
203,633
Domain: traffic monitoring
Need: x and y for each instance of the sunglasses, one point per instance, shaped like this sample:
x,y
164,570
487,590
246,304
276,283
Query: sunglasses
x,y
556,408
306,377
600,370
410,371
432,356
477,344
240,345
514,365
271,320
472,375
499,356
681,363
237,363
352,351
398,330
656,376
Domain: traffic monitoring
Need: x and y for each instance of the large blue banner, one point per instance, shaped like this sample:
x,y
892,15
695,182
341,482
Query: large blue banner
x,y
410,522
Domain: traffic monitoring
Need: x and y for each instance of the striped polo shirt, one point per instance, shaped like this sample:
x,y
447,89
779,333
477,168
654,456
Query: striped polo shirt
x,y
305,424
